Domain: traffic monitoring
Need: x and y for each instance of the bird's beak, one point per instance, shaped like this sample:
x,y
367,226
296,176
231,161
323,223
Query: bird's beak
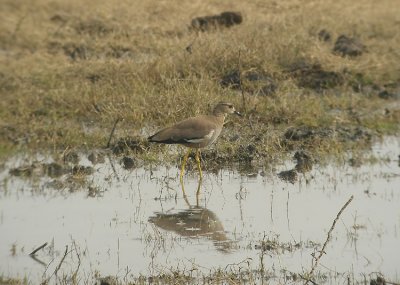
x,y
237,113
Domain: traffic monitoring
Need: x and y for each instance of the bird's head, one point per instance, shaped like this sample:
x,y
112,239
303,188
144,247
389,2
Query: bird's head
x,y
224,108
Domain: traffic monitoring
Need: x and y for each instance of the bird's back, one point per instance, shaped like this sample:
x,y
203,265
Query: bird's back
x,y
194,132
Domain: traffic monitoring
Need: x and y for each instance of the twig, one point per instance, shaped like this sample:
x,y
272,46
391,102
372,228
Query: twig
x,y
61,261
112,132
241,83
307,279
38,260
79,260
322,251
18,26
189,48
112,166
37,249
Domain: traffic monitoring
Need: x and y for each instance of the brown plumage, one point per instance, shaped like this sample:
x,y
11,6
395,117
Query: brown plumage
x,y
196,132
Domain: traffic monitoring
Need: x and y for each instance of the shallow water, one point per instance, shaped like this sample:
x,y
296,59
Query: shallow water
x,y
140,222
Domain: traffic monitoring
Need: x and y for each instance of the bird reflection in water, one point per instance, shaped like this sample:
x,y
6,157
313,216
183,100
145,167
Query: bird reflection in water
x,y
194,222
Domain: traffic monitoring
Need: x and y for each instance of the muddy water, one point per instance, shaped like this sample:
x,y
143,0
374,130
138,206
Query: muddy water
x,y
139,221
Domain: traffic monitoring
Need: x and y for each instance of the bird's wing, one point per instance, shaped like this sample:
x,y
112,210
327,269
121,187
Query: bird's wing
x,y
192,130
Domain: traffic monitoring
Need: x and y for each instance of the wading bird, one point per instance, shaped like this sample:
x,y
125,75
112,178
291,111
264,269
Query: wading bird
x,y
195,132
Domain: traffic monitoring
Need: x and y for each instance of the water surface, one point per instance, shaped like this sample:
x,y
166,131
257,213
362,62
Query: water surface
x,y
127,223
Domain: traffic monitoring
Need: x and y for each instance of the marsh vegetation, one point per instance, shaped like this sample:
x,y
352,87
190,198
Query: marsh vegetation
x,y
318,84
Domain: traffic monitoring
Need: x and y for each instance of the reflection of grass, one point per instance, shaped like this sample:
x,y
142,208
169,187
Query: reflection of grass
x,y
12,281
66,73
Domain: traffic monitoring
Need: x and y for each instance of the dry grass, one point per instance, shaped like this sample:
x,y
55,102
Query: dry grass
x,y
68,70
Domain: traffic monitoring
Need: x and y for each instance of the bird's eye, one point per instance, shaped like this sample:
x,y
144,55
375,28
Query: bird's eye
x,y
230,106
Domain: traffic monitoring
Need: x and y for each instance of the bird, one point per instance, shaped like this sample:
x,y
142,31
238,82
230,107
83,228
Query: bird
x,y
195,132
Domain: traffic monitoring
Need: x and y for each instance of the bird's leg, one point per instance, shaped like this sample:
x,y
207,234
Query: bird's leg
x,y
198,163
185,196
185,158
198,193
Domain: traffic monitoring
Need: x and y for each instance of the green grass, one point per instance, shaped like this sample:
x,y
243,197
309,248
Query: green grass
x,y
67,73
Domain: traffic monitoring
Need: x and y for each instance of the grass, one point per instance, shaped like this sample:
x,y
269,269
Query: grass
x,y
67,71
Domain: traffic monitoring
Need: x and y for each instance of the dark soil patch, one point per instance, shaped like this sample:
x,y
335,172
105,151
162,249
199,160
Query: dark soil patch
x,y
124,145
77,51
252,81
82,170
93,27
94,78
39,169
304,164
354,133
246,153
324,35
59,19
71,157
304,161
119,52
128,162
225,19
363,85
346,46
288,176
378,281
231,80
313,76
53,169
305,133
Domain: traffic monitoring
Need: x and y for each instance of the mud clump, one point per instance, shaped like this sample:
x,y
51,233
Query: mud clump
x,y
304,164
39,169
324,35
77,51
127,144
354,133
93,27
288,176
108,280
252,81
231,80
82,170
304,161
313,76
246,153
346,46
119,52
94,78
378,281
128,162
223,20
305,133
71,157
53,169
25,171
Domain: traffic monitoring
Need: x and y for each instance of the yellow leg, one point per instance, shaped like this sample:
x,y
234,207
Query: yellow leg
x,y
198,193
198,163
185,196
185,158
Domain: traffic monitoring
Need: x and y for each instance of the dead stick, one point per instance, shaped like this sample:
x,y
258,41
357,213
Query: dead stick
x,y
62,260
322,251
241,82
37,249
112,132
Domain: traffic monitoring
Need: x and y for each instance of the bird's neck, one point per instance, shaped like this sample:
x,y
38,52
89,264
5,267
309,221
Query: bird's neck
x,y
219,114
